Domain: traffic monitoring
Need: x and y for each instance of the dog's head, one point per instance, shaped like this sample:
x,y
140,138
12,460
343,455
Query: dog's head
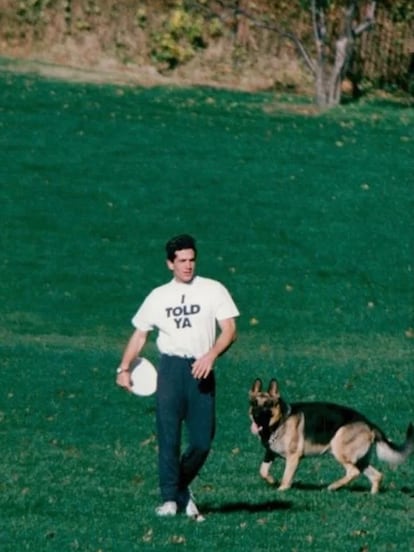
x,y
267,408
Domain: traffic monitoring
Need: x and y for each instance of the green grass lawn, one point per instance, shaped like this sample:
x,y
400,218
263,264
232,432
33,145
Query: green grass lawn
x,y
307,219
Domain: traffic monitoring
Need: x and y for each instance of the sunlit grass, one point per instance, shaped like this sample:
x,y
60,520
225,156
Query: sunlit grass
x,y
306,218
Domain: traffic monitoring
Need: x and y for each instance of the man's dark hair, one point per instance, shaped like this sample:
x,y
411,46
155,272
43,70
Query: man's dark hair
x,y
183,241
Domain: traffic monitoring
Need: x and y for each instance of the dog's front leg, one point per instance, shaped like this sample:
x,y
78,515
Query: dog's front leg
x,y
291,465
264,472
265,466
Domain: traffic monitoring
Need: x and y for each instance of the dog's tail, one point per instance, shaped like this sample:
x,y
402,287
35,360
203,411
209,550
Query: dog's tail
x,y
391,453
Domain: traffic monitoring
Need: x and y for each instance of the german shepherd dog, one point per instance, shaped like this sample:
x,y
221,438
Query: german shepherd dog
x,y
300,429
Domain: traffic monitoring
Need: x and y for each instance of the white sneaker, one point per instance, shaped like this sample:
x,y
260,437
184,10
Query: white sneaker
x,y
192,511
169,508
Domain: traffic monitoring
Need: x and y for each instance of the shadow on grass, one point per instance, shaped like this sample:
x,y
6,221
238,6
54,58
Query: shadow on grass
x,y
408,491
382,100
249,507
354,488
323,487
274,505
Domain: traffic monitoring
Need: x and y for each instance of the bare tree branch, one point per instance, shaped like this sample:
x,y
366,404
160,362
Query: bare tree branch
x,y
332,56
368,22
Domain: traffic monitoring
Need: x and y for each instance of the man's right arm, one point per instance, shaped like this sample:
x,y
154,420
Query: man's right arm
x,y
132,350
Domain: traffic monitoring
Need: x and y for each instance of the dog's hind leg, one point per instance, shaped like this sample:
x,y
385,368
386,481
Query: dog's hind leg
x,y
352,472
351,447
375,478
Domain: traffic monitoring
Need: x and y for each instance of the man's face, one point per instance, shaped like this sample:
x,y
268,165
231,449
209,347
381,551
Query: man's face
x,y
183,266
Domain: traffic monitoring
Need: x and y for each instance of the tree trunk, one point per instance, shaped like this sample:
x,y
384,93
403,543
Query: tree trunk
x,y
344,49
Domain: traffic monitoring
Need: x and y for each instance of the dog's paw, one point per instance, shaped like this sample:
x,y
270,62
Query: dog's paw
x,y
269,479
283,487
264,472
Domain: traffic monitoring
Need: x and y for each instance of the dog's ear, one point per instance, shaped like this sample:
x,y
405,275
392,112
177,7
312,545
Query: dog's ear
x,y
256,387
273,389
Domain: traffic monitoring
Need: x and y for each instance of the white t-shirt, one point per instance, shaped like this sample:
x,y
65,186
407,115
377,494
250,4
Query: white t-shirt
x,y
185,315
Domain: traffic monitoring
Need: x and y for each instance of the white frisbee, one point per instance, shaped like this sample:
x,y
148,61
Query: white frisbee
x,y
143,377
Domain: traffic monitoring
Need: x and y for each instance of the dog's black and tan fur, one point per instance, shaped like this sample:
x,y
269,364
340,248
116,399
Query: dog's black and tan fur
x,y
295,430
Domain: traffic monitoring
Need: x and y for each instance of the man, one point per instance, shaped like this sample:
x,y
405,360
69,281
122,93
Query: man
x,y
186,312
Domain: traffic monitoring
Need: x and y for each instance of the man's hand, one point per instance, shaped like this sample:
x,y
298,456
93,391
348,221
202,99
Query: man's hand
x,y
123,379
203,366
132,350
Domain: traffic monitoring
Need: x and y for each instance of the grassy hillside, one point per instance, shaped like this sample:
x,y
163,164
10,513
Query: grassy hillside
x,y
164,41
308,221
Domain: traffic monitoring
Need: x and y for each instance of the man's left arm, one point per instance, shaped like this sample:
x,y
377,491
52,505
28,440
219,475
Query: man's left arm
x,y
203,365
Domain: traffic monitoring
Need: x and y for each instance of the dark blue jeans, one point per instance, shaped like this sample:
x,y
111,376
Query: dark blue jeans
x,y
182,401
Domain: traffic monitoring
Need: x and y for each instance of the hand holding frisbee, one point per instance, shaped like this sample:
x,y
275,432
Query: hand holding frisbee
x,y
143,377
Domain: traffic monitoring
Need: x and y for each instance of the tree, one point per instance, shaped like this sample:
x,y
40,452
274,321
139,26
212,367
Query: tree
x,y
335,28
330,70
